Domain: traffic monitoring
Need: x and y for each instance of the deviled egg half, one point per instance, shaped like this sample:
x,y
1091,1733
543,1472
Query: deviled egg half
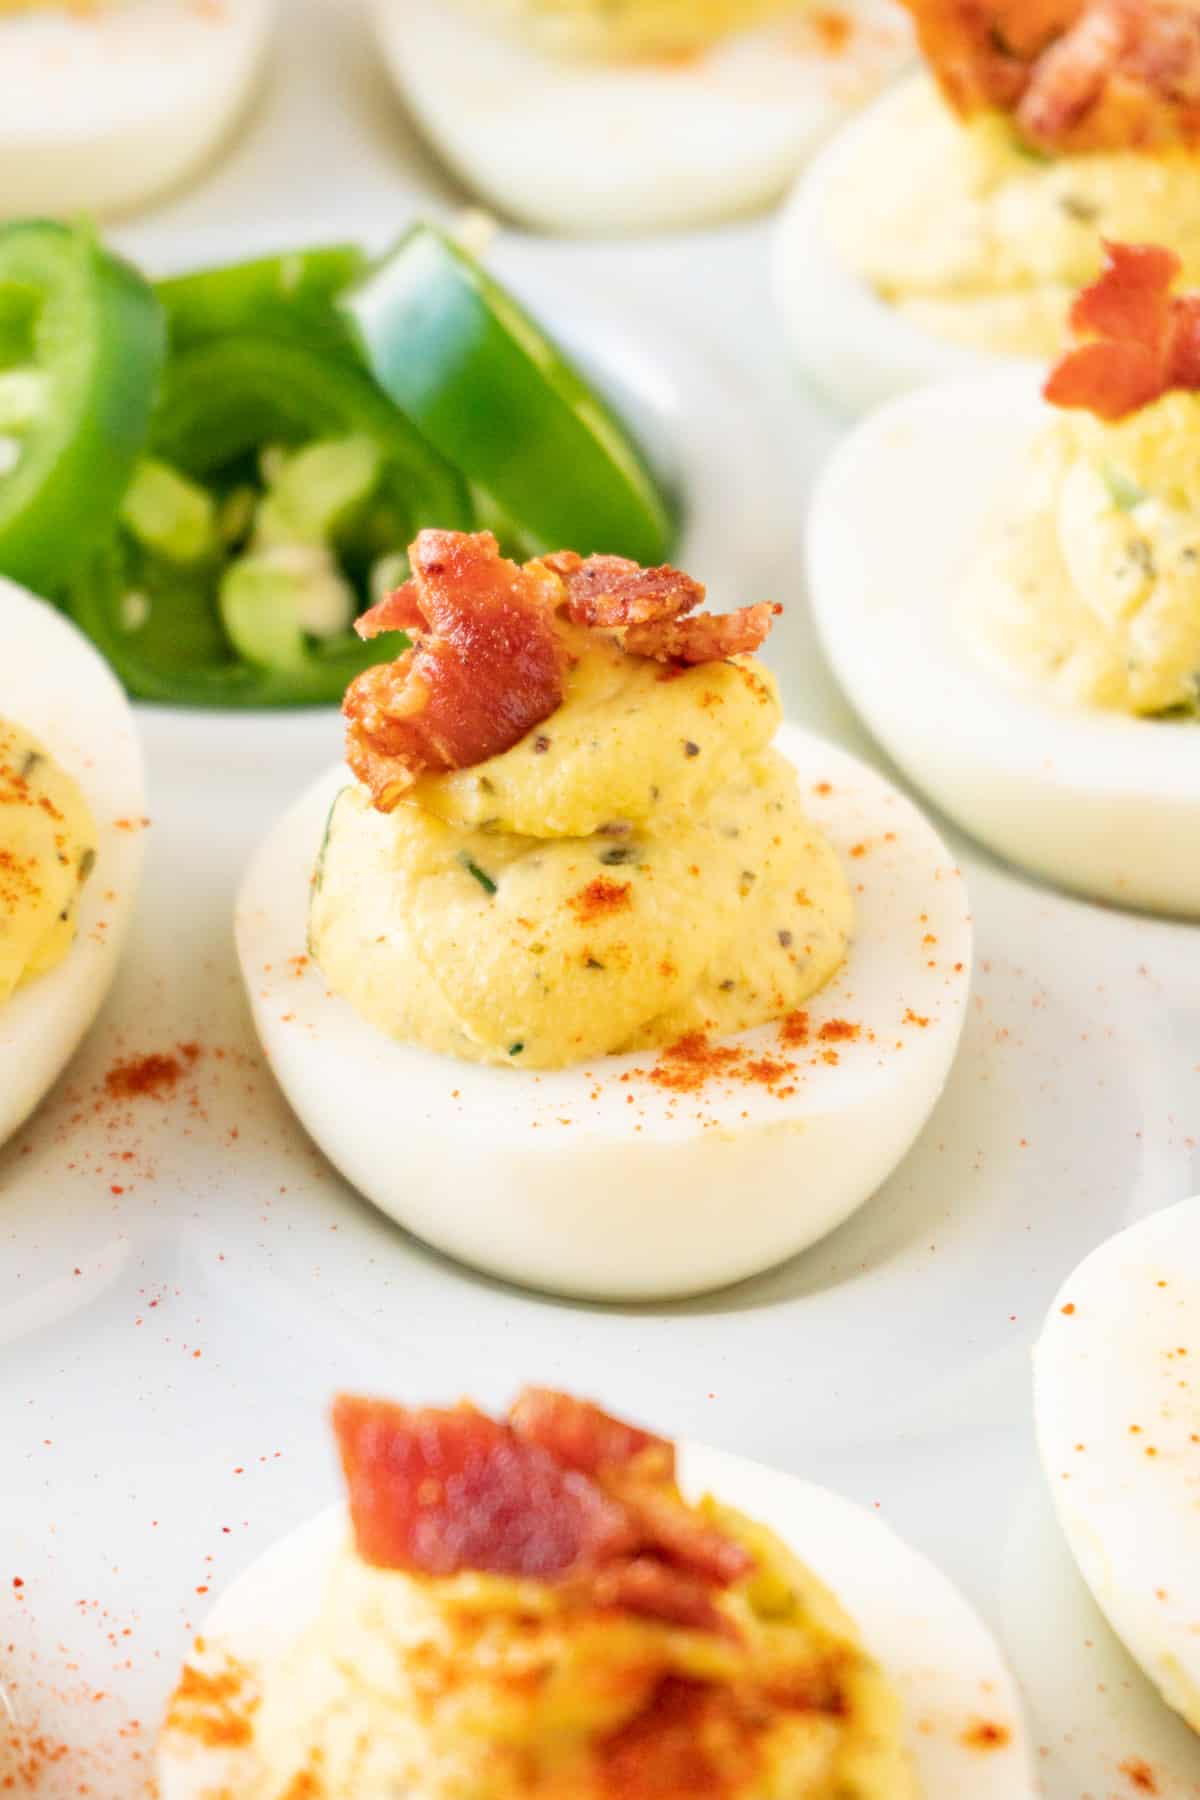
x,y
582,977
1118,1423
661,113
1008,586
71,828
556,1605
108,103
942,234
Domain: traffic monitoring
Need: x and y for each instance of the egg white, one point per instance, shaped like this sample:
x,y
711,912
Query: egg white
x,y
577,146
1103,803
858,349
55,685
582,1183
102,112
938,1655
1117,1402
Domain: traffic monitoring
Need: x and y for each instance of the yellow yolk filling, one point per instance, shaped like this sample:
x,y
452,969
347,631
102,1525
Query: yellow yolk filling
x,y
47,847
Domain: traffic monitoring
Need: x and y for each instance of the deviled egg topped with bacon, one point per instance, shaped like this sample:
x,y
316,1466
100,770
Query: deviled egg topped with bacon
x,y
662,113
71,824
1008,584
666,998
108,102
557,1605
947,230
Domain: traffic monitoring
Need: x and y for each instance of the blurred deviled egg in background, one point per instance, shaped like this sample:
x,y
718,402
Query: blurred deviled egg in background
x,y
71,830
945,231
1008,586
1118,1423
108,102
666,1000
585,116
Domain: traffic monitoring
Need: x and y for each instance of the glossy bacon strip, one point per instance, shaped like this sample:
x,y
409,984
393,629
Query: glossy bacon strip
x,y
436,1492
560,1492
1077,75
486,667
1140,342
581,1436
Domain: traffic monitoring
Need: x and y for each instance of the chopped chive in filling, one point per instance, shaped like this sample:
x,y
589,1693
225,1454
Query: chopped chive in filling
x,y
481,875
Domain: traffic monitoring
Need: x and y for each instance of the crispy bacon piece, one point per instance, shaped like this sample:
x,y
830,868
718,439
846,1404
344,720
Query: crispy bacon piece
x,y
486,667
1077,75
981,52
437,1492
611,592
488,658
560,1492
581,1436
673,1532
653,1590
705,637
1140,343
655,610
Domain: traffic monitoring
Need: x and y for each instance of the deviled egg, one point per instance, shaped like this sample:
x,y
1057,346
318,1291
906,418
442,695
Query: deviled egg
x,y
1009,591
107,104
944,232
1118,1422
71,827
661,113
665,1001
556,1606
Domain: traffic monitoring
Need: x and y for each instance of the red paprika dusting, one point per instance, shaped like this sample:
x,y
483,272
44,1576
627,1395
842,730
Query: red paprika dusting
x,y
155,1074
794,1030
686,1066
600,899
984,1734
214,1708
834,30
838,1031
1140,1775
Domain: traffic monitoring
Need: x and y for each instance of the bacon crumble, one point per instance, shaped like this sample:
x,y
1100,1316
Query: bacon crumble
x,y
558,1491
1076,75
486,667
1140,342
489,657
654,608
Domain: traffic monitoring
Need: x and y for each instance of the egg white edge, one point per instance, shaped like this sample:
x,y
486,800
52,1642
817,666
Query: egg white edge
x,y
56,686
544,1123
109,159
1112,1566
423,40
901,507
855,347
940,1657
